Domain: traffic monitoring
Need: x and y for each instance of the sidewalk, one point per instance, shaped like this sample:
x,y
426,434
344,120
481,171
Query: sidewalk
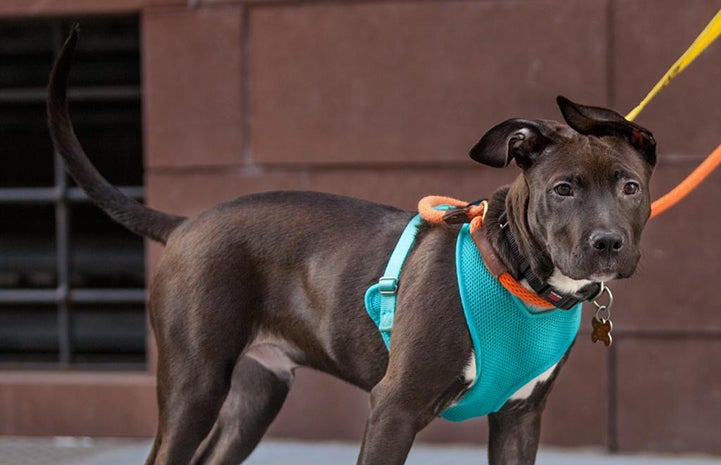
x,y
91,451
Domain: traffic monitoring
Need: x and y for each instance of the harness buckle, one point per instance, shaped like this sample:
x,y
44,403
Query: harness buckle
x,y
388,285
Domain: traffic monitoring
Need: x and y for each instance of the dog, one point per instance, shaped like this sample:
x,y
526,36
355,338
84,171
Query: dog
x,y
249,290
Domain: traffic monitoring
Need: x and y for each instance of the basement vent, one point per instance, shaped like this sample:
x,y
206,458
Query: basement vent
x,y
71,281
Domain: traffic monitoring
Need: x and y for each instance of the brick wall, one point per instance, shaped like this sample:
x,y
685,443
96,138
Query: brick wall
x,y
382,99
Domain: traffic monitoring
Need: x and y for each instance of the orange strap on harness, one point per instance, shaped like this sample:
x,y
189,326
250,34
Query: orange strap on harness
x,y
475,214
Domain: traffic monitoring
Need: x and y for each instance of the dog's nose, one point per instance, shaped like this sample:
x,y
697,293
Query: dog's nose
x,y
607,242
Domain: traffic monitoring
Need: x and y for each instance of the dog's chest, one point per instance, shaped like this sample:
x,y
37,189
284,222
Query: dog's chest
x,y
514,346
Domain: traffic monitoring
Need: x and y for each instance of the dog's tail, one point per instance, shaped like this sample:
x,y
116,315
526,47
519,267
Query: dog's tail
x,y
133,215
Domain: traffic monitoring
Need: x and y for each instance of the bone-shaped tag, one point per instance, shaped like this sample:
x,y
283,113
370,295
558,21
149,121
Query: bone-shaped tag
x,y
602,331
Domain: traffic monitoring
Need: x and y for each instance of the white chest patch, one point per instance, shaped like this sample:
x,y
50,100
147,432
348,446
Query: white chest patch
x,y
469,373
526,391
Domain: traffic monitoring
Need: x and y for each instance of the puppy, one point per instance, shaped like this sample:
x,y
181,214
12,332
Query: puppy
x,y
253,288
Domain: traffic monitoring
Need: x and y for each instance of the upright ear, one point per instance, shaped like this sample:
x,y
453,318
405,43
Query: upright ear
x,y
598,121
519,139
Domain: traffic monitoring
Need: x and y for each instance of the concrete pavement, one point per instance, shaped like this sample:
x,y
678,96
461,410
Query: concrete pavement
x,y
94,451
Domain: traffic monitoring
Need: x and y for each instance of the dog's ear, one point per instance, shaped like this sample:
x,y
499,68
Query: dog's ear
x,y
519,139
598,121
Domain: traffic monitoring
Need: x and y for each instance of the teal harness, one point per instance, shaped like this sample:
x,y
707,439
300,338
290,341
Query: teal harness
x,y
513,343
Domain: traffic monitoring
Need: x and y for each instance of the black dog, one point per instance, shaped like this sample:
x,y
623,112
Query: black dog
x,y
252,288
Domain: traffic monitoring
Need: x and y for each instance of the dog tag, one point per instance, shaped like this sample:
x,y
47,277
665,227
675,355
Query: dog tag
x,y
602,330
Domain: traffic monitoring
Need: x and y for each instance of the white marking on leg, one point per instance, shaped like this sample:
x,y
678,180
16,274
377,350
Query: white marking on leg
x,y
526,391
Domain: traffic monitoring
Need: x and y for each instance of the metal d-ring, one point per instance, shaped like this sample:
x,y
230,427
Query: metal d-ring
x,y
602,314
603,310
605,289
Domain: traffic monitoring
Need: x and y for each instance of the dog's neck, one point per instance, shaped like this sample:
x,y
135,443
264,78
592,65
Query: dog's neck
x,y
508,206
507,209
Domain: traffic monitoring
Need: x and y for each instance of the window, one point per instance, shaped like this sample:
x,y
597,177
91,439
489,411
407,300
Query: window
x,y
71,281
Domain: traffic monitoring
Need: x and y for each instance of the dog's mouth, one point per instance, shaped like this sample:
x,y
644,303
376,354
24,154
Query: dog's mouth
x,y
599,273
598,270
603,277
573,284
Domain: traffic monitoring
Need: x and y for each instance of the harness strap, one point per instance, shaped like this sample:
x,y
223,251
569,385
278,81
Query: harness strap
x,y
388,284
544,297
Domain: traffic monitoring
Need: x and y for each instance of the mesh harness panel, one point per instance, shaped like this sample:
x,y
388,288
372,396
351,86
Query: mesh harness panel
x,y
512,342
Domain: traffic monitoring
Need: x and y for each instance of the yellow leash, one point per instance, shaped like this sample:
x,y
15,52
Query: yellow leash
x,y
707,36
697,176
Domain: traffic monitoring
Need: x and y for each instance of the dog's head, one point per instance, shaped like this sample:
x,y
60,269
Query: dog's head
x,y
583,197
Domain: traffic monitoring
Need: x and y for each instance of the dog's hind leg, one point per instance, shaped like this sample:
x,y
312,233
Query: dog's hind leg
x,y
189,399
191,392
201,329
255,398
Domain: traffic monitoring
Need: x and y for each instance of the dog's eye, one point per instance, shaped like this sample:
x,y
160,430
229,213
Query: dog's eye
x,y
631,188
563,189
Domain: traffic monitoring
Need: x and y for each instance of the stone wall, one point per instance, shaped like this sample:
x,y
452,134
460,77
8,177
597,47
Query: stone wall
x,y
382,100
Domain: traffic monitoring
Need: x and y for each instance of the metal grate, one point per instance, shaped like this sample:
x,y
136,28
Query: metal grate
x,y
71,281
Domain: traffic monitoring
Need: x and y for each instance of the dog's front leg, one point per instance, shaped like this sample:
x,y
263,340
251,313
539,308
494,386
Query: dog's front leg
x,y
514,436
391,427
515,430
390,431
429,357
398,412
